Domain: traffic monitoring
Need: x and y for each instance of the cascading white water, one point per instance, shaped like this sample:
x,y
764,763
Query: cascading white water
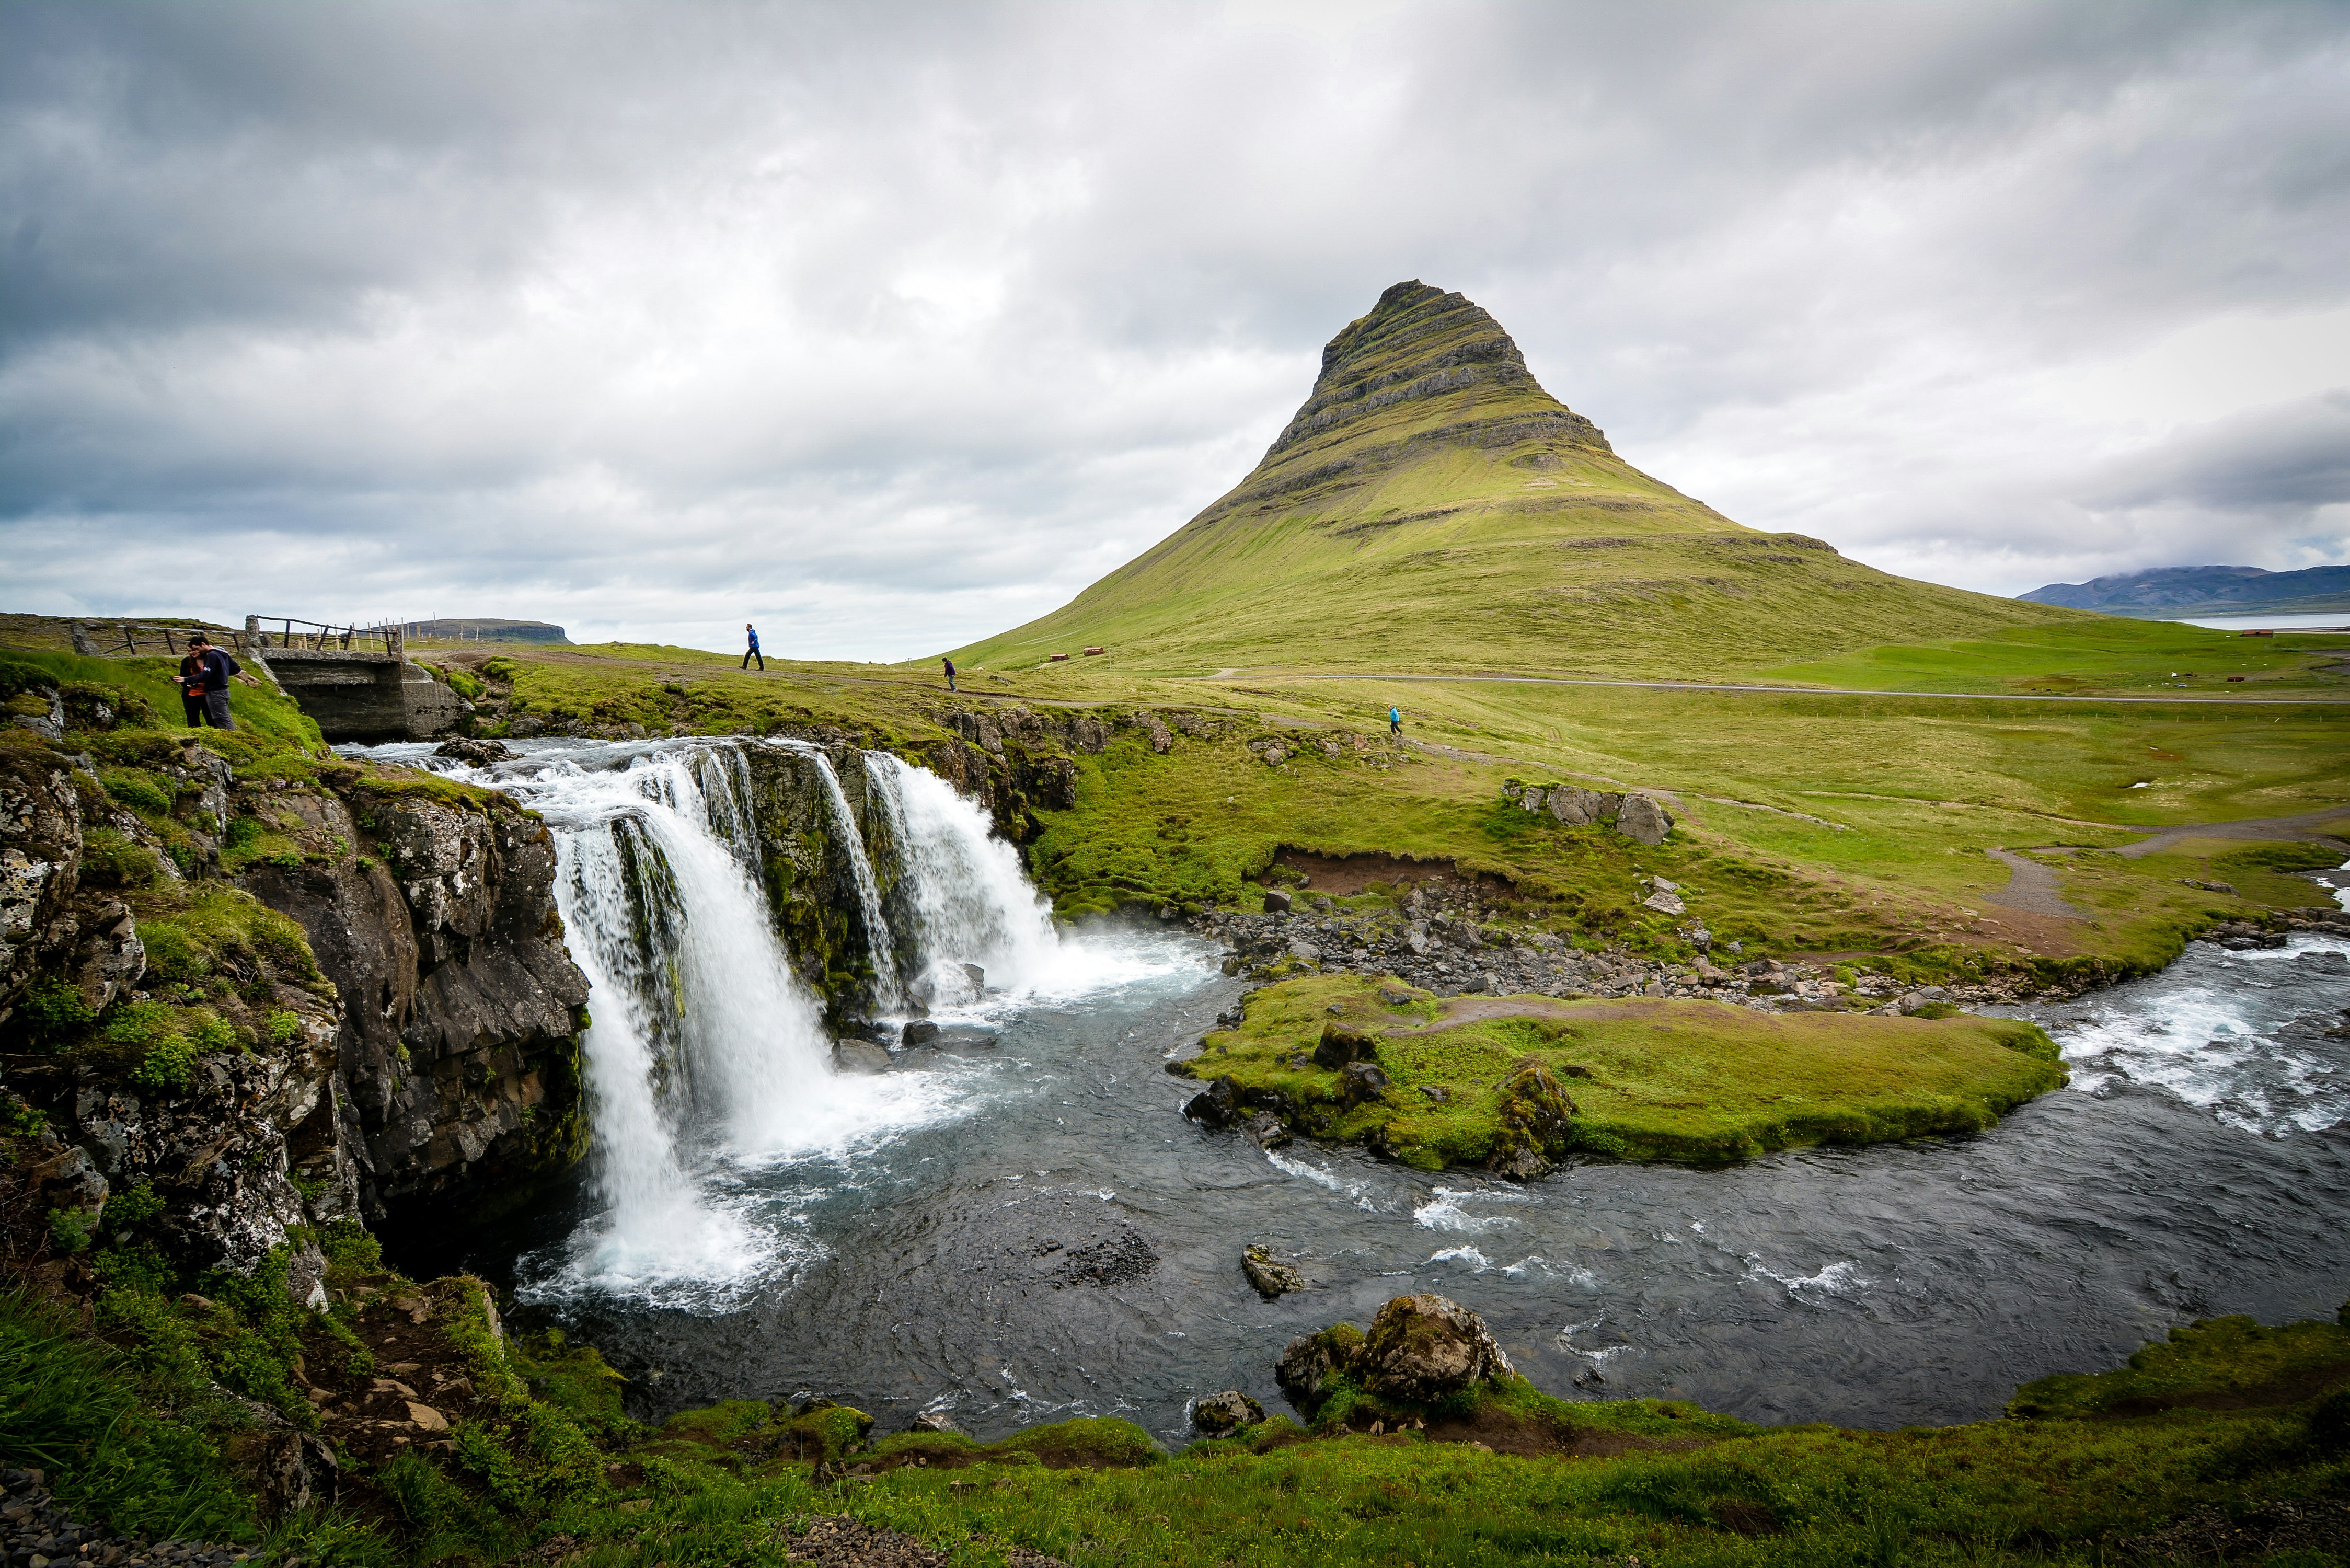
x,y
705,1053
966,898
707,1061
879,951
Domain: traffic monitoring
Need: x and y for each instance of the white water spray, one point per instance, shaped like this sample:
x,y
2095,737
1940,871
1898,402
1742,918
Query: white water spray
x,y
707,1060
706,1054
965,896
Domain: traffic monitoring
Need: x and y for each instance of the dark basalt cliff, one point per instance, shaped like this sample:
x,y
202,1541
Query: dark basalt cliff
x,y
280,1001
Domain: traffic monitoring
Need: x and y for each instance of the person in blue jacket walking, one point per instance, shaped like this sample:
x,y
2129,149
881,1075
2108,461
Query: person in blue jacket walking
x,y
753,633
1395,721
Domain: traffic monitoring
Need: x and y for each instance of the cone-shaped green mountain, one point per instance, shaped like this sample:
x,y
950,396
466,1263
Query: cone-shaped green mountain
x,y
1433,508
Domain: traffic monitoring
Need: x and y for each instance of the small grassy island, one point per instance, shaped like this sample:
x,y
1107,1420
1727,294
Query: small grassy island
x,y
1497,1081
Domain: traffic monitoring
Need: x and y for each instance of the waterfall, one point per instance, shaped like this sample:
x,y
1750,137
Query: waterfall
x,y
707,1059
964,897
880,952
705,1053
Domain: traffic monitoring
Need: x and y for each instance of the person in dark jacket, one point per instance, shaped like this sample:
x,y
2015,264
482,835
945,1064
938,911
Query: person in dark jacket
x,y
203,684
753,652
950,664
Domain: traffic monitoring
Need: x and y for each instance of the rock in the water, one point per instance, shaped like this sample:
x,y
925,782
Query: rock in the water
x,y
1425,1348
473,753
1267,1129
920,1031
1217,1104
976,975
1641,819
1270,1276
1217,1414
1276,902
527,725
860,1057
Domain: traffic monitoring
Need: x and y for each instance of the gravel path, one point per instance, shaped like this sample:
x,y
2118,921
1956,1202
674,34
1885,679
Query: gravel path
x,y
35,1532
2031,887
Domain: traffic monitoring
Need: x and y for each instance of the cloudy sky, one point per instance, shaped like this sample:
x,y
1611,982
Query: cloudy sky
x,y
887,326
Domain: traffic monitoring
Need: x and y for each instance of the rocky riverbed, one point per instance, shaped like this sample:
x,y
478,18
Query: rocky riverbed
x,y
1454,943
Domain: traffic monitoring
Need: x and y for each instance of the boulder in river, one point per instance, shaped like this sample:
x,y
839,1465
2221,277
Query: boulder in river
x,y
1216,1105
473,753
1270,1276
920,1031
860,1057
1267,1130
1425,1348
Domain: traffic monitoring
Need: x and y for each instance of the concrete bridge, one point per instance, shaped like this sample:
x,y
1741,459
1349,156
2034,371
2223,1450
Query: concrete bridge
x,y
355,681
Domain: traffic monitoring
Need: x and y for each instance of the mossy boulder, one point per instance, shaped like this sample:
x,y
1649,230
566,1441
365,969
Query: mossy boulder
x,y
1424,1348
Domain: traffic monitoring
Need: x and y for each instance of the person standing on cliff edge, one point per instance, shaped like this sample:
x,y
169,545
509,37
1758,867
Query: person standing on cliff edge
x,y
753,652
203,684
950,664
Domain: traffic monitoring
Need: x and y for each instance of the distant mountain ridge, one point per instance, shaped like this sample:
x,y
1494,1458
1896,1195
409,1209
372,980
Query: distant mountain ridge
x,y
2161,591
1431,507
488,628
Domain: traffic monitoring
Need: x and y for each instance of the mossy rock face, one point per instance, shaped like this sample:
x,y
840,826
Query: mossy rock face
x,y
1482,1080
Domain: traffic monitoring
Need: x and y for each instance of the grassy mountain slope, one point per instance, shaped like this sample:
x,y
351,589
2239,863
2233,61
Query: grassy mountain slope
x,y
1432,507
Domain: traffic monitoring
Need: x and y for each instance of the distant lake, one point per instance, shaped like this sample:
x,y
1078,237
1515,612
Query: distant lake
x,y
2338,621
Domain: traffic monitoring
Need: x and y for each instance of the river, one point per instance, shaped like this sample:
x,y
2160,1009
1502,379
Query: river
x,y
1022,1226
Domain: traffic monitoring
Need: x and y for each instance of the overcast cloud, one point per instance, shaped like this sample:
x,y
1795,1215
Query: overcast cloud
x,y
890,326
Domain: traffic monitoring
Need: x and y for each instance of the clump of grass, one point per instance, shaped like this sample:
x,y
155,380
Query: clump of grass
x,y
73,1405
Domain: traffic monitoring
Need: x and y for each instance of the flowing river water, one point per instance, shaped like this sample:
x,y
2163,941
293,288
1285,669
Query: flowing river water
x,y
1022,1226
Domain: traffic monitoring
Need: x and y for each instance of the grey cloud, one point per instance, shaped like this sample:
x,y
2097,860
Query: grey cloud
x,y
934,312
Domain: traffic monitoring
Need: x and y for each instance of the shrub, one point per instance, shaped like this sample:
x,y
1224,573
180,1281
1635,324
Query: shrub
x,y
108,858
164,1041
142,791
54,1013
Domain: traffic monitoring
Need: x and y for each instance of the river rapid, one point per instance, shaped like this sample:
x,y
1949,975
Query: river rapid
x,y
1022,1226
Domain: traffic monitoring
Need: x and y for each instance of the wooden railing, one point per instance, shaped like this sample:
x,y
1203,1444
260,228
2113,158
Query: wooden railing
x,y
126,639
263,633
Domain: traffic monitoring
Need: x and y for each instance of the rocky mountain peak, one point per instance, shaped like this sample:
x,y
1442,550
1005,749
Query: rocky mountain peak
x,y
1417,343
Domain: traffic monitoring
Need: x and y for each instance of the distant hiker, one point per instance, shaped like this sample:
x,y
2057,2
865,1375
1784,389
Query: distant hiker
x,y
753,651
1395,721
203,684
950,664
